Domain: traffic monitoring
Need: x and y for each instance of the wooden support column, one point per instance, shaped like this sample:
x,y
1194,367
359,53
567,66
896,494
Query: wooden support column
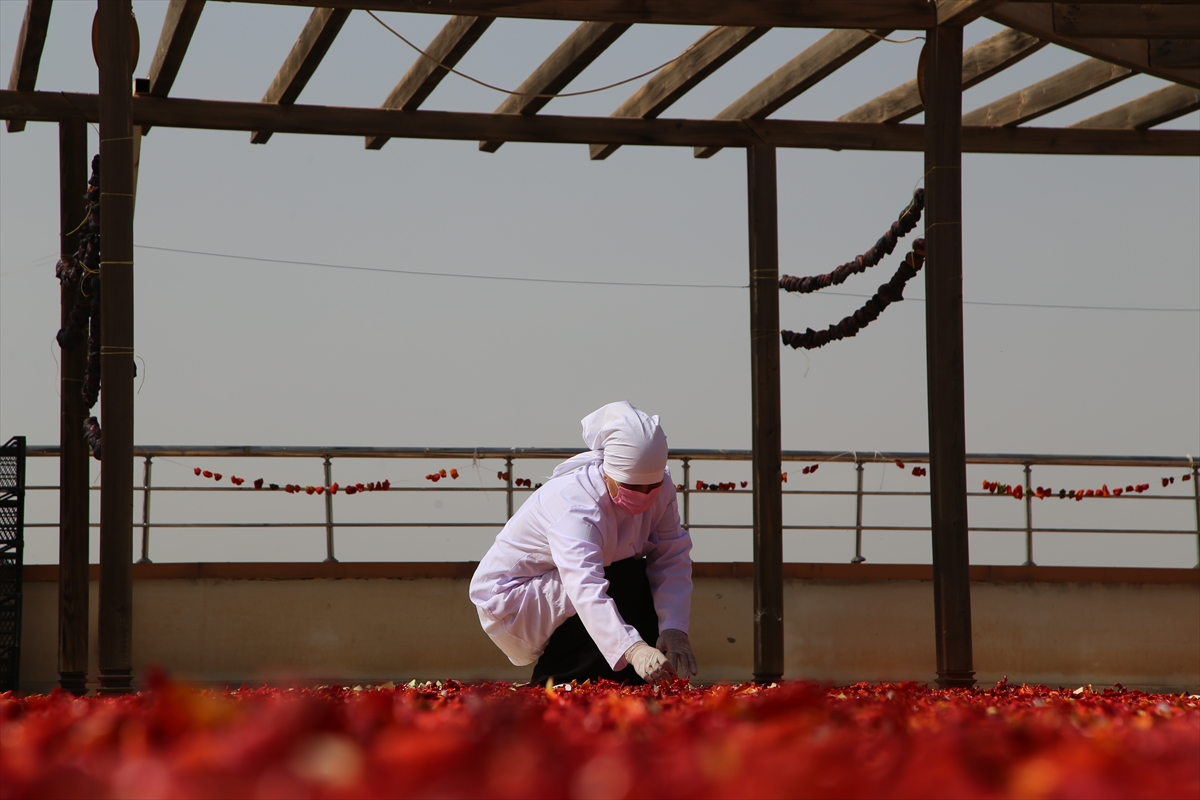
x,y
116,376
764,378
944,355
72,448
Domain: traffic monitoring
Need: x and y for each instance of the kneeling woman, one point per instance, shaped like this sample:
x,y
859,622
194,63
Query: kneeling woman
x,y
594,565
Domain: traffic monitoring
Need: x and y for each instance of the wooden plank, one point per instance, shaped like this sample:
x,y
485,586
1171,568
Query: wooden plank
x,y
706,55
1074,83
178,27
766,430
1174,53
962,12
1148,110
447,48
1037,19
944,358
116,372
334,121
980,62
73,478
893,14
815,63
28,57
1128,21
569,59
302,60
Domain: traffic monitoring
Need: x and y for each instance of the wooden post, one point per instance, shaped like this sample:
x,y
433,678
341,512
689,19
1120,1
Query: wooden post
x,y
944,356
116,394
764,377
72,449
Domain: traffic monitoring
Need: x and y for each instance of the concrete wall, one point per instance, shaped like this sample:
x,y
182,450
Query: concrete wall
x,y
368,624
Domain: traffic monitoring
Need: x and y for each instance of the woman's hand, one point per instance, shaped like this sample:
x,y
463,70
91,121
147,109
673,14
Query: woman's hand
x,y
678,649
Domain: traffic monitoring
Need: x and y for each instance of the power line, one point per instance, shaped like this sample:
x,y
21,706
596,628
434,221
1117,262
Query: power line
x,y
570,281
449,274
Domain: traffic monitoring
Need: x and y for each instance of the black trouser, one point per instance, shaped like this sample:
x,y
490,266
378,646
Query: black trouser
x,y
571,655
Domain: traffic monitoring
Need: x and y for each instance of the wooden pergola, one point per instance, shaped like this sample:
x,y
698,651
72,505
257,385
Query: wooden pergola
x,y
1120,38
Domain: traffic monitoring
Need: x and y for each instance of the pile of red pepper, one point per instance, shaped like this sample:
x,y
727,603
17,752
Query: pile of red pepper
x,y
602,740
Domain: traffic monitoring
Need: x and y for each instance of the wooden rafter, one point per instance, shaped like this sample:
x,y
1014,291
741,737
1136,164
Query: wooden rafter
x,y
569,59
1149,110
28,57
335,121
1037,19
894,14
980,62
1128,21
1074,83
817,62
447,48
961,12
320,30
708,54
178,27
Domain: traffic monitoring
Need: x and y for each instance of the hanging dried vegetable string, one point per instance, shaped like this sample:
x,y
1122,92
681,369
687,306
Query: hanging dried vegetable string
x,y
908,220
888,293
81,273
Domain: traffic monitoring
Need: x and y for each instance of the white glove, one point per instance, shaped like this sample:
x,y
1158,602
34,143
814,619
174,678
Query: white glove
x,y
678,650
648,662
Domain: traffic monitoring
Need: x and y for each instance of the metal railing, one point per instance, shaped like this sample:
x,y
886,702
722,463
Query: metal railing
x,y
686,458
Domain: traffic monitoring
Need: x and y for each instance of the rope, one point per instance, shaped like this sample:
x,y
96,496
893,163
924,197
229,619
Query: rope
x,y
514,92
894,41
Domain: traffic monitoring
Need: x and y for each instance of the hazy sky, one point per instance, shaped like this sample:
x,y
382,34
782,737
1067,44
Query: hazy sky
x,y
243,352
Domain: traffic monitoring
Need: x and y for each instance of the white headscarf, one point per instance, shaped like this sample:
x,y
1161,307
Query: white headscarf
x,y
629,443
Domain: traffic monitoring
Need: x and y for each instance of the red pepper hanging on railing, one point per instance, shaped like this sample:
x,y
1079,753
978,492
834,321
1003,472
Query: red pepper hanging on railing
x,y
295,488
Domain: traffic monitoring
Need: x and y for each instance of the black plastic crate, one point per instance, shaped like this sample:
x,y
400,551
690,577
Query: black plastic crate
x,y
12,550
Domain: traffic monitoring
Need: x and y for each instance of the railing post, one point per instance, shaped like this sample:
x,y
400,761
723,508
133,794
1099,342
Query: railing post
x,y
328,512
687,492
508,462
858,525
145,559
1028,517
1196,493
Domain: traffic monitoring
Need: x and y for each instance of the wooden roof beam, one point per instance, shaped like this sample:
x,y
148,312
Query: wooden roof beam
x,y
815,63
706,55
961,12
569,59
1128,21
449,46
980,62
30,42
1037,19
1064,88
178,27
451,125
302,60
892,14
1149,110
1179,53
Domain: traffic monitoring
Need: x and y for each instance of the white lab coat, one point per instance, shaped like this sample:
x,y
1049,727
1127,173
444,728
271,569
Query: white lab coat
x,y
548,564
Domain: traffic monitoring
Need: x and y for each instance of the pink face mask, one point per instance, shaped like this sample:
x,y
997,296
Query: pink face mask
x,y
635,503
